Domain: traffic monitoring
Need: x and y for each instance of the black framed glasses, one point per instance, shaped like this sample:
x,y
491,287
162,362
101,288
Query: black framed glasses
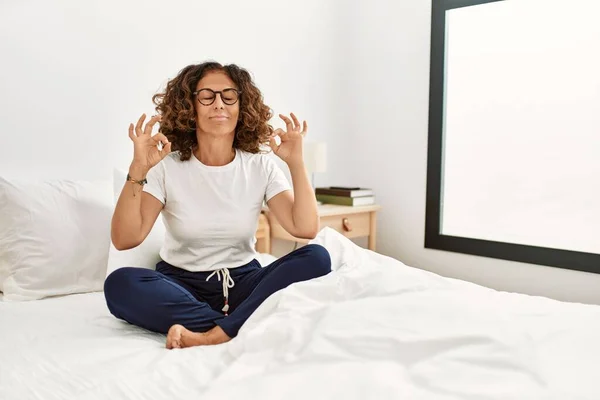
x,y
208,96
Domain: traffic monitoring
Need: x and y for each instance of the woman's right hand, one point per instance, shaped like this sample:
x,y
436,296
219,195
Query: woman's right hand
x,y
146,153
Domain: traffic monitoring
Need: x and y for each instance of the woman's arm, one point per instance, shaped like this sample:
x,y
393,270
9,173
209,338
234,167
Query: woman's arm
x,y
297,211
135,213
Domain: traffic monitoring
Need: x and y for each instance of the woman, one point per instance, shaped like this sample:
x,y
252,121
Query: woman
x,y
204,173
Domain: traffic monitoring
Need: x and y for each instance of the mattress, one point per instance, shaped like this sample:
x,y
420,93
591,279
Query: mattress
x,y
372,329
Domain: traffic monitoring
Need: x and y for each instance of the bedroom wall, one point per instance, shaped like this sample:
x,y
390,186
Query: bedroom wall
x,y
75,74
389,104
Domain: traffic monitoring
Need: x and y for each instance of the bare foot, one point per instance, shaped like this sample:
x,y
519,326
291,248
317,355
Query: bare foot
x,y
174,337
179,337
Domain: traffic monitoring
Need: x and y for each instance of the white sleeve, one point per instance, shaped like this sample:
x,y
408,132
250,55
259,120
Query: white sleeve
x,y
276,180
156,182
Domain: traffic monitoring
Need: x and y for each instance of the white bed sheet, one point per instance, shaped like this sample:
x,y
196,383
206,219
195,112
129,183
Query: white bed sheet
x,y
372,329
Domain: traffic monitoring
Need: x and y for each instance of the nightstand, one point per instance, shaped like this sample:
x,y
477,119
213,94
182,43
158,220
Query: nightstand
x,y
352,222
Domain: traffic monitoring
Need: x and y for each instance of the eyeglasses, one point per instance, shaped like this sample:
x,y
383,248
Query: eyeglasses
x,y
208,96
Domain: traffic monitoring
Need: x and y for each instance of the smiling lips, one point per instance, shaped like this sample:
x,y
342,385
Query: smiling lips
x,y
219,117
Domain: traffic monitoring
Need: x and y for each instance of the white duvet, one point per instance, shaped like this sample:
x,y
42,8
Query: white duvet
x,y
372,329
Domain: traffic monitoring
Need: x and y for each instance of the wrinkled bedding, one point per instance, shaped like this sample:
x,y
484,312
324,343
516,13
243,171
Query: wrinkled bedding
x,y
372,329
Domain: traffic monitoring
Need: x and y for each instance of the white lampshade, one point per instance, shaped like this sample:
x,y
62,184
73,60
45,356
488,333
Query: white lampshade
x,y
315,156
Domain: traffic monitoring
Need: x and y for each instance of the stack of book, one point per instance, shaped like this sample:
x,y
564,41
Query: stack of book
x,y
345,196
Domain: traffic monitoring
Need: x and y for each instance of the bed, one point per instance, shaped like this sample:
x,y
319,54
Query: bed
x,y
374,328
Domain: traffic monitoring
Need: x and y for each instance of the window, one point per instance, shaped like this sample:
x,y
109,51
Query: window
x,y
514,131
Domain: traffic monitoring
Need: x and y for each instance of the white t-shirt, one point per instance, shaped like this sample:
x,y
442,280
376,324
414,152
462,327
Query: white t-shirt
x,y
211,213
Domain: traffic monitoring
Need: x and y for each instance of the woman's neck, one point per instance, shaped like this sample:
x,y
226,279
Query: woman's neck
x,y
214,151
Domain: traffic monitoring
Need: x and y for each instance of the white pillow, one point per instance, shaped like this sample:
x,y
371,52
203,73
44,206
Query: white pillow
x,y
146,255
54,237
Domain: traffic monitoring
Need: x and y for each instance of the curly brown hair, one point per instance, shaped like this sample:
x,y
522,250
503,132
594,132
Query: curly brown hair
x,y
176,106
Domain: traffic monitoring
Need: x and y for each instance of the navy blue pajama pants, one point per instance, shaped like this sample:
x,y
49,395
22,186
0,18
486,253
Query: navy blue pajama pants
x,y
156,300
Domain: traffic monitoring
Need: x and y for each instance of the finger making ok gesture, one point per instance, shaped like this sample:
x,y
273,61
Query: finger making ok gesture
x,y
146,152
290,147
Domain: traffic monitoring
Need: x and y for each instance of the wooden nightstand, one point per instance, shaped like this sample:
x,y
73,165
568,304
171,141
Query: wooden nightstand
x,y
352,222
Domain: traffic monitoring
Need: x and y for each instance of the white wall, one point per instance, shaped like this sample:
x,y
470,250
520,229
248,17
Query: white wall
x,y
388,99
75,74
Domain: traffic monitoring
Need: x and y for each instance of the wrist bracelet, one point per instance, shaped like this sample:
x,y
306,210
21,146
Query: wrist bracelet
x,y
142,182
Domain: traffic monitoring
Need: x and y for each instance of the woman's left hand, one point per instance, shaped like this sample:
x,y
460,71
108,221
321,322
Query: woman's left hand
x,y
290,148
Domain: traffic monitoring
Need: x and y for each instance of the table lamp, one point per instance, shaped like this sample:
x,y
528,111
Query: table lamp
x,y
315,158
